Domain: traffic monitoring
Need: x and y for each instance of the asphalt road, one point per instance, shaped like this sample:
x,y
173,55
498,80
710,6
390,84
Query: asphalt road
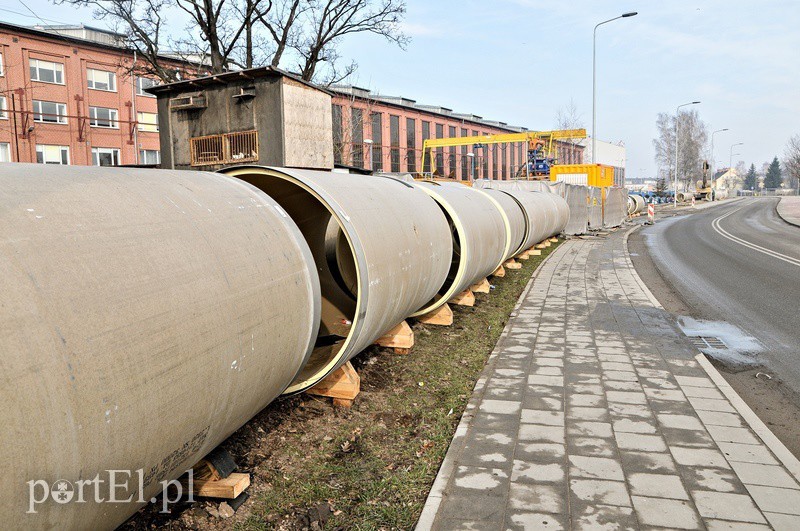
x,y
738,263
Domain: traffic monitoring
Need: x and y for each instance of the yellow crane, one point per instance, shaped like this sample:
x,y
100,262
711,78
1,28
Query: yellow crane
x,y
541,144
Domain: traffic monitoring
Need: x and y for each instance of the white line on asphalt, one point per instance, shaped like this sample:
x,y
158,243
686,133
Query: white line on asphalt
x,y
769,252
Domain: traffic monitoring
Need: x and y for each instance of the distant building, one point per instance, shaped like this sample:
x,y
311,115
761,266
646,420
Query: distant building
x,y
728,179
608,153
261,116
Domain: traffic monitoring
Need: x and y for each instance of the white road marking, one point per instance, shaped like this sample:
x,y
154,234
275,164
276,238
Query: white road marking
x,y
750,245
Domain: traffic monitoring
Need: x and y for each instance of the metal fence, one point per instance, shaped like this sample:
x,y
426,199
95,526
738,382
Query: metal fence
x,y
226,148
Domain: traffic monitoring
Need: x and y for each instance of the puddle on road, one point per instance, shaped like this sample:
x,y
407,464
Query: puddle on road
x,y
722,341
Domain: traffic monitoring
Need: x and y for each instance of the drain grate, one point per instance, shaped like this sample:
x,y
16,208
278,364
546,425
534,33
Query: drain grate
x,y
712,342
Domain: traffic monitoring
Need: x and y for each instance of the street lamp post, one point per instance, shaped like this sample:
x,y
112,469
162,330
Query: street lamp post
x,y
594,77
713,159
677,122
730,160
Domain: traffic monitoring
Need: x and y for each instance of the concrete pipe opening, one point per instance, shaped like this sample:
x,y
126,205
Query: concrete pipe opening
x,y
146,315
382,248
478,235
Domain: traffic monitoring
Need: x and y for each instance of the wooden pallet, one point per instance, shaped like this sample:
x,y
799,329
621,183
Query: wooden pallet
x,y
210,481
342,385
511,264
465,298
400,338
499,272
443,316
481,287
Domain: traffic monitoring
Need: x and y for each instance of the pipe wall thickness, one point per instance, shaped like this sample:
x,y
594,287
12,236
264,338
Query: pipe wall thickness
x,y
145,316
513,219
382,248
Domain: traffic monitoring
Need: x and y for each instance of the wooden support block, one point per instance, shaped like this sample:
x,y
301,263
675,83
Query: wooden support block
x,y
400,338
534,252
554,240
343,385
522,256
465,298
511,264
540,246
443,316
481,287
227,488
499,272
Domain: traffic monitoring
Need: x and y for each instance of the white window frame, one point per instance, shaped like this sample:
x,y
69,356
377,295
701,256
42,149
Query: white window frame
x,y
111,79
3,108
42,148
147,127
2,66
113,118
142,156
5,152
140,91
58,68
60,114
114,152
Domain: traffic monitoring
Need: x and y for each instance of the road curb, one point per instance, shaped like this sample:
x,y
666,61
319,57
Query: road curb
x,y
787,458
434,499
778,212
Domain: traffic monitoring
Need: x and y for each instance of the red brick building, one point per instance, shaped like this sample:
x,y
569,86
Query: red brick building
x,y
67,97
389,132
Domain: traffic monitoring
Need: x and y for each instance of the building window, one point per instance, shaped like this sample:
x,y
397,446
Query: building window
x,y
494,161
426,134
3,108
103,117
451,158
504,149
338,145
5,152
105,157
513,149
49,112
357,133
147,121
411,145
149,156
47,72
394,142
464,158
440,151
2,68
101,80
52,154
376,120
143,83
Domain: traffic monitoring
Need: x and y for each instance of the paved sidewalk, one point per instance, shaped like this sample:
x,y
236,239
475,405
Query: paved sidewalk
x,y
789,209
593,413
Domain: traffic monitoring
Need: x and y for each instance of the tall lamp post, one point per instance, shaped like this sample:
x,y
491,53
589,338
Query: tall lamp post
x,y
677,122
713,159
730,160
594,77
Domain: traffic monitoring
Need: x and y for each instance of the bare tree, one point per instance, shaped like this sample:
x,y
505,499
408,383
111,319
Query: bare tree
x,y
693,136
791,162
568,117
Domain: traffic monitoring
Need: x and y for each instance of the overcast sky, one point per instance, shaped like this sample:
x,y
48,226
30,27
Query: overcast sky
x,y
518,61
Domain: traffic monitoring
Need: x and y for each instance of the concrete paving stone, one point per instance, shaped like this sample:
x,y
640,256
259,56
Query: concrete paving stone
x,y
603,517
552,381
702,392
586,389
487,449
730,434
591,446
661,512
595,467
582,377
694,381
536,416
459,505
640,442
677,362
500,407
501,381
527,521
617,366
671,407
681,422
547,371
544,390
492,421
626,397
709,404
614,358
542,402
537,472
552,362
589,429
722,525
600,491
769,475
464,525
728,506
580,400
783,522
588,413
665,394
633,426
699,457
688,438
487,481
657,383
540,452
647,462
630,410
657,486
509,373
748,453
541,433
776,499
621,375
536,498
619,385
548,353
513,394
719,418
654,373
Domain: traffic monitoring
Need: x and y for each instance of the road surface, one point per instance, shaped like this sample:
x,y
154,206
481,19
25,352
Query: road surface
x,y
740,264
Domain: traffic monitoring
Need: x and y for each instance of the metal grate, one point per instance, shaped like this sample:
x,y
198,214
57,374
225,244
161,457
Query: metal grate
x,y
224,149
703,342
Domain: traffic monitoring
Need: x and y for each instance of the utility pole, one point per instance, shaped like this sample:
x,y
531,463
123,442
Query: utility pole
x,y
677,128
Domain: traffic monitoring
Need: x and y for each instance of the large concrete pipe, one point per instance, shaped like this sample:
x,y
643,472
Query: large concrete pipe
x,y
636,204
144,316
546,214
513,219
478,234
382,248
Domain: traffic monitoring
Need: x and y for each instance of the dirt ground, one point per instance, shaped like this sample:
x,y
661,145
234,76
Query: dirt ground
x,y
314,466
774,403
